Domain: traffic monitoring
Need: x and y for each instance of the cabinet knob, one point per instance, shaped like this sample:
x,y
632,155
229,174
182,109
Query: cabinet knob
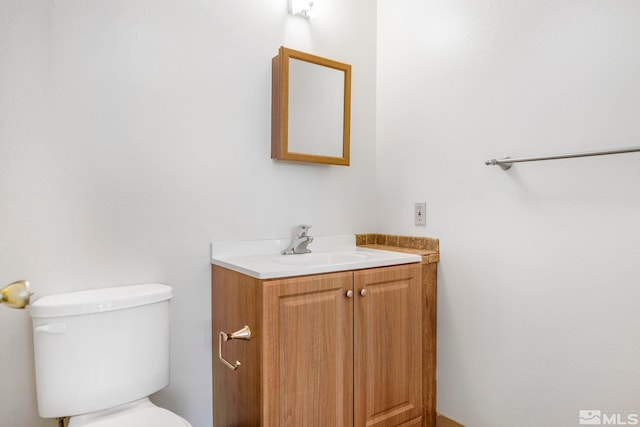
x,y
363,292
349,293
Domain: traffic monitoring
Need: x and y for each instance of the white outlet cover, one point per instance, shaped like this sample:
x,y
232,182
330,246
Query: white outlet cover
x,y
420,213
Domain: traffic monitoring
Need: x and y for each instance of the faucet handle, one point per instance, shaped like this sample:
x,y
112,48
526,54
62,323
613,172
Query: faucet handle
x,y
302,229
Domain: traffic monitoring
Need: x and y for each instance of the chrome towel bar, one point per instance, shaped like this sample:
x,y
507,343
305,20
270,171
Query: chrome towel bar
x,y
506,162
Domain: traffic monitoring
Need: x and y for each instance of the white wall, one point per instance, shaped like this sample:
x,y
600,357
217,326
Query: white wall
x,y
539,281
132,134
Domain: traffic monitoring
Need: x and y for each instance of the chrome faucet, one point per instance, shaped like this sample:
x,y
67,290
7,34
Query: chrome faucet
x,y
299,243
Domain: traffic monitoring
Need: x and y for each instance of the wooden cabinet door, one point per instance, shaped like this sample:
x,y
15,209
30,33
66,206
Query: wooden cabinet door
x,y
308,351
388,346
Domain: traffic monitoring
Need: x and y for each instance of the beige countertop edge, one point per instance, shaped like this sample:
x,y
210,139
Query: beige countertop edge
x,y
428,256
427,247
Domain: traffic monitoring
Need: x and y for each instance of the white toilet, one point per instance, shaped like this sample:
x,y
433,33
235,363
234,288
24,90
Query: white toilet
x,y
100,353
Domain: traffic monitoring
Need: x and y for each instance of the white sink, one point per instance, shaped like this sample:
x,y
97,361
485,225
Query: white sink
x,y
321,258
262,259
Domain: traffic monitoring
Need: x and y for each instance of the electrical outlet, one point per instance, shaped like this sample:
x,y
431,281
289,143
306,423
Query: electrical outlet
x,y
420,213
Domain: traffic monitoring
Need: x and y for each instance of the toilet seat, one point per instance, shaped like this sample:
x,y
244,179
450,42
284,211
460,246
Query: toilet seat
x,y
141,413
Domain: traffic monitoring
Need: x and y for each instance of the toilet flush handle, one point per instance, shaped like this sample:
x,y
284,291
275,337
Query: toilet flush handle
x,y
241,334
52,328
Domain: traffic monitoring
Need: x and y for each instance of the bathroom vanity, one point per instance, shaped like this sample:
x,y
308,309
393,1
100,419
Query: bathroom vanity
x,y
337,336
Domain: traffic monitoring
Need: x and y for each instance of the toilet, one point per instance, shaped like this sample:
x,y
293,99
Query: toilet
x,y
100,353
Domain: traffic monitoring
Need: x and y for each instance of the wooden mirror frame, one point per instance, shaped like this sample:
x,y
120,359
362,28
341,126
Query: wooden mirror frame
x,y
280,108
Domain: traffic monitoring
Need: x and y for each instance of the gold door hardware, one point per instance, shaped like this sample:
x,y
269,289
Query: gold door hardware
x,y
363,292
16,294
241,334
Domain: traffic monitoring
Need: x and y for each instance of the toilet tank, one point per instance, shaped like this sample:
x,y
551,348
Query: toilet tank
x,y
100,348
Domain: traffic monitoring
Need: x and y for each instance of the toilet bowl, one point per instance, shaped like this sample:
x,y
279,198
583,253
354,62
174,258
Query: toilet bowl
x,y
100,353
141,413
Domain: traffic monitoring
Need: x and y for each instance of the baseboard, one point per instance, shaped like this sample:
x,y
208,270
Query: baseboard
x,y
443,421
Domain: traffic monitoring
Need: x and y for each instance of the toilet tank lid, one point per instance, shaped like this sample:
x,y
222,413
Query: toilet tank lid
x,y
99,300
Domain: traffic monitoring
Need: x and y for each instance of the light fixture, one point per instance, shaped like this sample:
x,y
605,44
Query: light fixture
x,y
16,294
303,8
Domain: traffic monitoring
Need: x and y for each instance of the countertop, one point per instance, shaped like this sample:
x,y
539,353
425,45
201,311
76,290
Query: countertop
x,y
426,247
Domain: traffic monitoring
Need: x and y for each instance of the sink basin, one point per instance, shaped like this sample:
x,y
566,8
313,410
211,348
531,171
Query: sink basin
x,y
321,258
262,259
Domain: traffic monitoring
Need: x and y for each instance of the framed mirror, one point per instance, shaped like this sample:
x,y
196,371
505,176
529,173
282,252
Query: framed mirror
x,y
311,108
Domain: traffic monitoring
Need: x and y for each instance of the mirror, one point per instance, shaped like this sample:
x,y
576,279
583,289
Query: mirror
x,y
311,108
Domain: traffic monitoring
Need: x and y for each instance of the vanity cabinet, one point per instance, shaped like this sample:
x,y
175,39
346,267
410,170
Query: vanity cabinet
x,y
335,349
